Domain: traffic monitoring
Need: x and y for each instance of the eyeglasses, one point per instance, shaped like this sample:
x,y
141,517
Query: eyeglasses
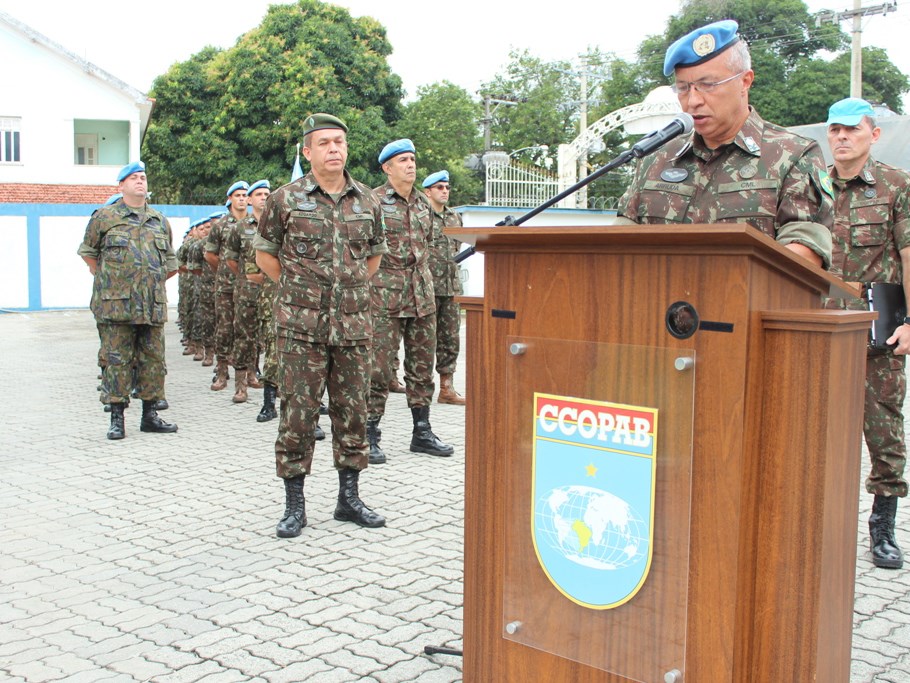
x,y
683,87
442,187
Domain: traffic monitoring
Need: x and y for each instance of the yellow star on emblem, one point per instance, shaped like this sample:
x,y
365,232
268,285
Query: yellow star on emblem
x,y
591,470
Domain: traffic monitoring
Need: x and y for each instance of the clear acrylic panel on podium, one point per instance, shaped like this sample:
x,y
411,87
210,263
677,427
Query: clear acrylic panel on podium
x,y
599,489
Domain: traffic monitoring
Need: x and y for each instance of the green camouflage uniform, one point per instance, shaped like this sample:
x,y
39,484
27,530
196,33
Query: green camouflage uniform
x,y
322,315
134,254
403,300
224,287
768,177
446,286
265,320
204,286
872,225
185,291
246,294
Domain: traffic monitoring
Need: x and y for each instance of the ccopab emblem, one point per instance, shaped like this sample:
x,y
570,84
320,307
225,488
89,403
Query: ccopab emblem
x,y
593,497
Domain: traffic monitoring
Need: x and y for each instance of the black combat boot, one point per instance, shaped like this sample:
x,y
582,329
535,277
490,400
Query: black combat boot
x,y
374,436
350,508
423,439
294,518
162,404
116,431
268,412
885,552
151,422
318,433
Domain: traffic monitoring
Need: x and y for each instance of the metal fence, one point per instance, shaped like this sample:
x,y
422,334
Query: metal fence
x,y
514,184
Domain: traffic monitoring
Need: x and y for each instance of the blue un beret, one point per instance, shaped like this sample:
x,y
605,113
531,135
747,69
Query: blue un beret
x,y
850,112
217,214
701,45
258,185
395,148
130,169
438,177
113,198
239,185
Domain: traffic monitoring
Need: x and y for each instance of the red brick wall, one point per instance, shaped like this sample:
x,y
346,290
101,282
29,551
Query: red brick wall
x,y
23,193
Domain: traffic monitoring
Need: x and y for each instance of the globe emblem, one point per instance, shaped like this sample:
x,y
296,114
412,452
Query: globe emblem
x,y
592,528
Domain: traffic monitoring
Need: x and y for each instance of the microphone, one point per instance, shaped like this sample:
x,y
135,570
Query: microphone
x,y
681,125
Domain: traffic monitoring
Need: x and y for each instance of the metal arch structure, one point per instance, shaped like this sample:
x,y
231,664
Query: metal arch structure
x,y
568,155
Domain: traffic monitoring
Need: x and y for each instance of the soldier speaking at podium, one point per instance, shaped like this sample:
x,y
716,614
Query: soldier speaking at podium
x,y
735,167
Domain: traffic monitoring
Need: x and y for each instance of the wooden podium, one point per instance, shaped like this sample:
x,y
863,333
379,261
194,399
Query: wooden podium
x,y
752,545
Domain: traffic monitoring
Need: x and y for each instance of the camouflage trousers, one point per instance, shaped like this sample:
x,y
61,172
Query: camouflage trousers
x,y
448,341
122,347
224,324
183,287
883,423
189,301
204,314
246,325
305,370
419,335
267,293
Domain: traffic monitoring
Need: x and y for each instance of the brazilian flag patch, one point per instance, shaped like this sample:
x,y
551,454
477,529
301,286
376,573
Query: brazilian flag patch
x,y
824,180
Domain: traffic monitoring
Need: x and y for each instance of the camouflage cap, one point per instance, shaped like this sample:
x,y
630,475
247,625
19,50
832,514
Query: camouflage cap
x,y
315,122
701,45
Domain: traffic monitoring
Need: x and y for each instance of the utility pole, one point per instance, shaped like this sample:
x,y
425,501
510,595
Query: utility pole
x,y
488,111
582,127
856,55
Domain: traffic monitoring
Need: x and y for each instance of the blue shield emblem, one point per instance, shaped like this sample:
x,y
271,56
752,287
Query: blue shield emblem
x,y
593,497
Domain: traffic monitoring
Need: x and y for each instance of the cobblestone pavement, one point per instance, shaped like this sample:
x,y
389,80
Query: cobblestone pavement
x,y
154,558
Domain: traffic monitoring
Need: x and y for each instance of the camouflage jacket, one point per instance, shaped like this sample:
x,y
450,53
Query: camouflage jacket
x,y
238,247
871,226
182,249
768,177
134,255
403,285
215,244
323,291
446,281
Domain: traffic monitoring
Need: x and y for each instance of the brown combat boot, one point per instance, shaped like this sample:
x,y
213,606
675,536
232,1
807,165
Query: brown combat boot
x,y
251,381
208,356
396,387
221,376
447,393
240,395
190,349
199,352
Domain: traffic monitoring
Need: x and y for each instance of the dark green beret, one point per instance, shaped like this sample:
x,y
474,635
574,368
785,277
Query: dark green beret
x,y
315,122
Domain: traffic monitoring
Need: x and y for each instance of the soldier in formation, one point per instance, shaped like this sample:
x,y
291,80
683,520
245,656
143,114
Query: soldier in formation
x,y
403,302
128,249
321,238
872,244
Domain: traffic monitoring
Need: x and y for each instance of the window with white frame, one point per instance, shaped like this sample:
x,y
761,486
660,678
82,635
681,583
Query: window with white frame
x,y
9,140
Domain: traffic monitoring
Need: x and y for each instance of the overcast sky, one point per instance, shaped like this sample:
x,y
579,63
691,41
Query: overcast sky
x,y
466,42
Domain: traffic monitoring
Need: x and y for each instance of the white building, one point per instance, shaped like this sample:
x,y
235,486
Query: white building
x,y
66,129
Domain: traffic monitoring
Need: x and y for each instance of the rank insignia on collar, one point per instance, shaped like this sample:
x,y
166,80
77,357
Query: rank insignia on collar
x,y
751,145
868,177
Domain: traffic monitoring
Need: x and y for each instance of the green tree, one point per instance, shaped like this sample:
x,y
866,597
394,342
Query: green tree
x,y
238,113
443,123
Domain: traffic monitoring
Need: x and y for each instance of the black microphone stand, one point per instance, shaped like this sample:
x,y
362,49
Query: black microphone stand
x,y
623,158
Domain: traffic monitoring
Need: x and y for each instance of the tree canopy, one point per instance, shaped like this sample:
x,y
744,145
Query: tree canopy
x,y
237,113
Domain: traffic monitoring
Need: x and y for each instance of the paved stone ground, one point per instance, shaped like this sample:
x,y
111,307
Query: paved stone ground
x,y
154,558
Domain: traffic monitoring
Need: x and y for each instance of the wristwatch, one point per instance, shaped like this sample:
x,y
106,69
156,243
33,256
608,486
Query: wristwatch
x,y
907,320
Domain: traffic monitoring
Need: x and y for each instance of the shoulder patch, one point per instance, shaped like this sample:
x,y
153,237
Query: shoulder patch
x,y
824,181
